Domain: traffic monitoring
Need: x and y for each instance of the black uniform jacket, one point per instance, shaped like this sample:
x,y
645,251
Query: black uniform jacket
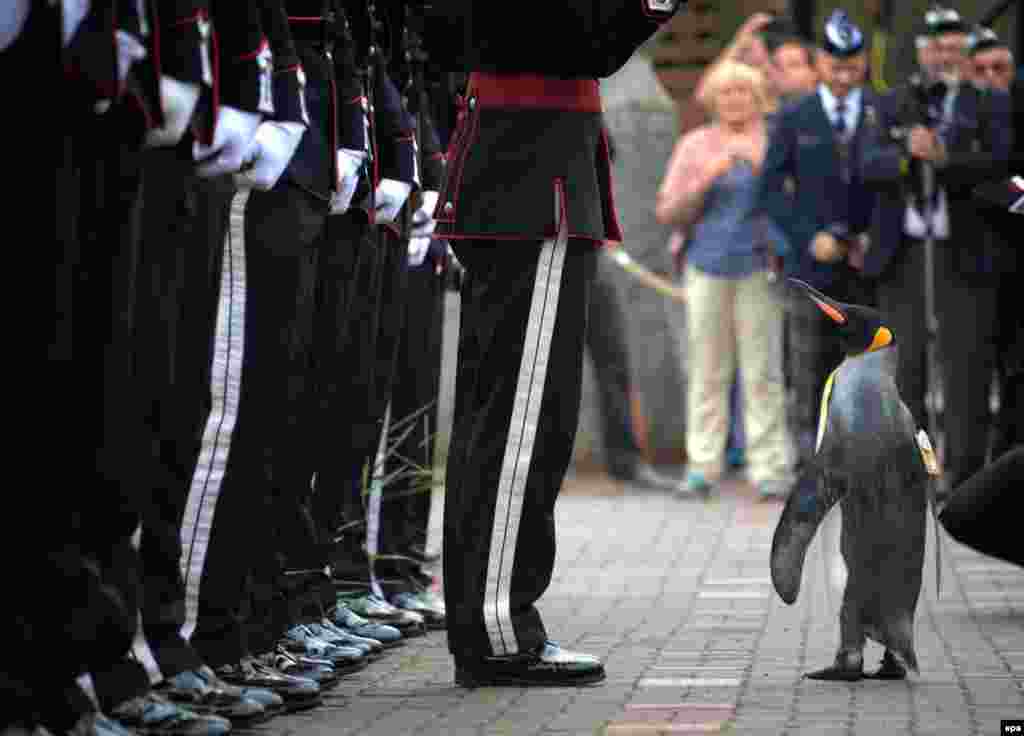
x,y
528,147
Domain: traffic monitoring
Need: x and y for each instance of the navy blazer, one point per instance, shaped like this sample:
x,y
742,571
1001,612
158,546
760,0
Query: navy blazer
x,y
979,145
803,190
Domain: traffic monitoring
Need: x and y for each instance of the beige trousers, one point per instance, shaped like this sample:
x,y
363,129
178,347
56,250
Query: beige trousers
x,y
730,320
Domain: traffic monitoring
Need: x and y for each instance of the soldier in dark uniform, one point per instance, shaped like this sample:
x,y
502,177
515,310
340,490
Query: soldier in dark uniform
x,y
527,199
255,473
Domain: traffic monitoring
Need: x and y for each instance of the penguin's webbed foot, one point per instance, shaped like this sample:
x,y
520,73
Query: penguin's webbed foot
x,y
835,673
847,668
889,669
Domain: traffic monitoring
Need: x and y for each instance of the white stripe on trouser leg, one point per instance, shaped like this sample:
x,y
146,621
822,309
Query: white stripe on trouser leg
x,y
373,505
225,387
140,647
519,447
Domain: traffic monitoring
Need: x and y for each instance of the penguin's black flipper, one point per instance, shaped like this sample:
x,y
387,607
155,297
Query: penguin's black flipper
x,y
811,499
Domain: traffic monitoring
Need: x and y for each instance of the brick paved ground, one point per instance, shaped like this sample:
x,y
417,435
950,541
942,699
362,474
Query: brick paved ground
x,y
676,597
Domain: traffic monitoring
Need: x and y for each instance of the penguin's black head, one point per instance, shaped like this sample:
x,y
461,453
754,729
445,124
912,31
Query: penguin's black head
x,y
861,329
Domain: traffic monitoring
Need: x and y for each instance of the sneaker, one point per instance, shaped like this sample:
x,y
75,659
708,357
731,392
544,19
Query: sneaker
x,y
93,723
297,692
376,608
337,635
152,714
774,489
348,620
695,484
425,604
202,692
301,640
320,671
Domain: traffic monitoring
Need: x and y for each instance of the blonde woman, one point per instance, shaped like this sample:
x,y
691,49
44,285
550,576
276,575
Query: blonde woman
x,y
734,314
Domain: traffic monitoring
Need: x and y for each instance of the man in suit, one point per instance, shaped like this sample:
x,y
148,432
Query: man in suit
x,y
938,125
813,191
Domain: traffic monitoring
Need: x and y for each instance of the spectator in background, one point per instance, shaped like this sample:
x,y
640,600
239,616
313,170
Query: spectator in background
x,y
790,66
991,66
733,314
990,61
812,190
941,123
772,45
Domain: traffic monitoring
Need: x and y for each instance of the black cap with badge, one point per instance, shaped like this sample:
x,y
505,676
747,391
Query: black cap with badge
x,y
939,20
842,39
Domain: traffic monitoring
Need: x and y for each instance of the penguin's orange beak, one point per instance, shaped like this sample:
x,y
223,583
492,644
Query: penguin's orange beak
x,y
831,308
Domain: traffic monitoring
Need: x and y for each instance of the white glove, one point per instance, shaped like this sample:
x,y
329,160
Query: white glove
x,y
129,50
389,198
178,100
349,164
418,248
423,223
270,151
231,138
73,12
13,20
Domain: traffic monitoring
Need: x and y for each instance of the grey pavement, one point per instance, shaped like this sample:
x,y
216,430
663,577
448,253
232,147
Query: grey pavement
x,y
675,596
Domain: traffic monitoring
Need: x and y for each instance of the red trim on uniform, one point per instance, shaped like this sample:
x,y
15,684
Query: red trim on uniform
x,y
563,206
533,91
136,99
616,227
214,50
305,19
198,16
253,54
287,69
332,122
454,178
437,155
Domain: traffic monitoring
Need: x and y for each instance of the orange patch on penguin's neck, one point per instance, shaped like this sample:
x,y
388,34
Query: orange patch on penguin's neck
x,y
883,337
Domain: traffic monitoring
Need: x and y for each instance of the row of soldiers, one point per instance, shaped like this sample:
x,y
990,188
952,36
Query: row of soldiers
x,y
211,413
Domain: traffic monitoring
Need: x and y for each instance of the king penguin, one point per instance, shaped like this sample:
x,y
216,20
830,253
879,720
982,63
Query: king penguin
x,y
874,462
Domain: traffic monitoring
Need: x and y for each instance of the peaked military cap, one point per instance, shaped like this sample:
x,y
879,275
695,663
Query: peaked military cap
x,y
842,37
983,39
943,20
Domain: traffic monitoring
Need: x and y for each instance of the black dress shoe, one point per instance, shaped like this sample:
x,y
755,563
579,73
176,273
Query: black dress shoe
x,y
550,666
642,474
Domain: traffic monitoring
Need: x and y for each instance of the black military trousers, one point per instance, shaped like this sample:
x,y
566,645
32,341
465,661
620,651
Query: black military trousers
x,y
353,403
69,611
523,322
249,482
405,505
104,285
184,222
966,351
609,351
